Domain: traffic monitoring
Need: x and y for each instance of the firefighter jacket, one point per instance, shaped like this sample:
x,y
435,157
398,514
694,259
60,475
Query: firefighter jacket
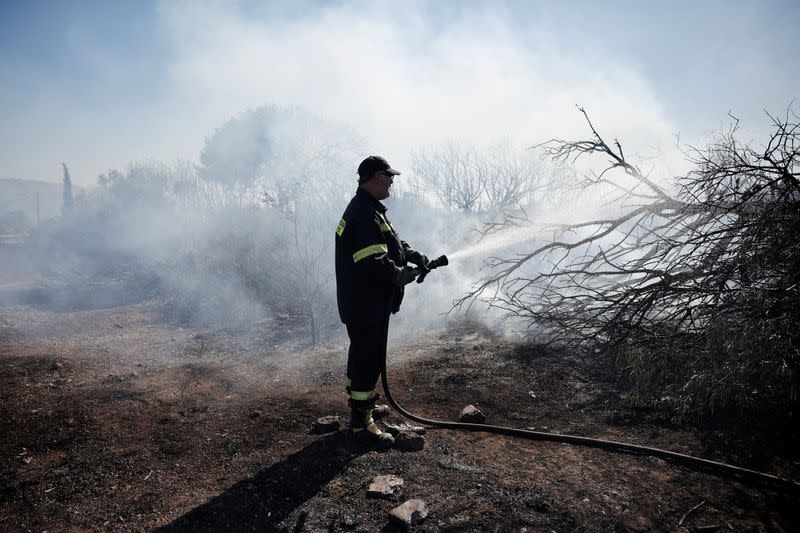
x,y
368,253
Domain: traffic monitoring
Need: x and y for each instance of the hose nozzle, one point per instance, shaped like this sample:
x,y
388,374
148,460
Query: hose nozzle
x,y
433,263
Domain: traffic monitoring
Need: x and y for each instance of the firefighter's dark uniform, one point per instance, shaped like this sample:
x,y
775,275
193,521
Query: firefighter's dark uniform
x,y
368,253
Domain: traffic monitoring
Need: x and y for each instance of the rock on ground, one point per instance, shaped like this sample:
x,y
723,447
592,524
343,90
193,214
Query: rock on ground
x,y
327,424
409,442
394,429
472,414
409,513
384,486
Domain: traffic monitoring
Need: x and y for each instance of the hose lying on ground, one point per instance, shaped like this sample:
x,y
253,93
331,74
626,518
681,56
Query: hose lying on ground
x,y
696,462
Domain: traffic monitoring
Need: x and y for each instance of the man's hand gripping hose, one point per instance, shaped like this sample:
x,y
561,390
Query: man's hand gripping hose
x,y
689,460
424,270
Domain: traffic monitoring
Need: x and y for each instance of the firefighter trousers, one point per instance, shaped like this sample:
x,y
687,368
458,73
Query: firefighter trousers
x,y
365,357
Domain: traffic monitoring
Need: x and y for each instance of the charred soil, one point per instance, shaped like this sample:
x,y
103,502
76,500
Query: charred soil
x,y
114,419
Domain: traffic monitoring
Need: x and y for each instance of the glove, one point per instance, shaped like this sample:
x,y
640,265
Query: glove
x,y
423,262
403,276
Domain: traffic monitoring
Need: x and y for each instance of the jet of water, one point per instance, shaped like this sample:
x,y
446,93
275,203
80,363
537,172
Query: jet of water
x,y
496,241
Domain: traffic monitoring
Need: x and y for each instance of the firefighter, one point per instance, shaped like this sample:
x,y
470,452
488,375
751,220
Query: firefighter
x,y
371,271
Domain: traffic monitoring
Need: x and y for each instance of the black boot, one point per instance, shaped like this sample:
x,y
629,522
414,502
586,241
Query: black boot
x,y
363,428
378,411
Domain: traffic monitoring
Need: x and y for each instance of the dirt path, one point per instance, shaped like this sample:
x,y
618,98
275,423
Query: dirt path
x,y
115,420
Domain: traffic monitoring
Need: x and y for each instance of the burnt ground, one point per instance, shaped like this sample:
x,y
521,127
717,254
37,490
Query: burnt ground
x,y
118,419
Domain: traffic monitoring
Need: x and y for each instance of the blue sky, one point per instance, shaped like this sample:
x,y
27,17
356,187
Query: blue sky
x,y
101,84
48,47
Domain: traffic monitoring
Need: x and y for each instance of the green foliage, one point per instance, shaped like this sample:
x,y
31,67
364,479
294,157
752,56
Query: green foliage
x,y
750,365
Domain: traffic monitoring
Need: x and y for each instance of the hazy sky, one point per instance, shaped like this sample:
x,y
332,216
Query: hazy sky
x,y
99,84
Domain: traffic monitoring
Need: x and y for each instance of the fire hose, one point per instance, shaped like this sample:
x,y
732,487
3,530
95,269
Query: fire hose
x,y
613,446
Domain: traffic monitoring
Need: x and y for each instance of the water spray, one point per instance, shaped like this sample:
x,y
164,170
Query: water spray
x,y
500,240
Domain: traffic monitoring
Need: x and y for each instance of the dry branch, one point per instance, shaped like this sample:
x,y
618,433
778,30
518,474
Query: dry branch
x,y
673,271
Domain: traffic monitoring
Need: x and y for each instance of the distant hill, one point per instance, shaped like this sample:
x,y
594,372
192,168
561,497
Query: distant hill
x,y
20,196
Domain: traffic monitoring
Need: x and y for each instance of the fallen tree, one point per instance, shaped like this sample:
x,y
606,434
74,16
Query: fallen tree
x,y
696,289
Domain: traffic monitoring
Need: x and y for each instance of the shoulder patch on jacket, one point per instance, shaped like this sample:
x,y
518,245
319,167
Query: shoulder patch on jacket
x,y
340,228
385,226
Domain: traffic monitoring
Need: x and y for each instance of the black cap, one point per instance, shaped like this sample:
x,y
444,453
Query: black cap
x,y
373,164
